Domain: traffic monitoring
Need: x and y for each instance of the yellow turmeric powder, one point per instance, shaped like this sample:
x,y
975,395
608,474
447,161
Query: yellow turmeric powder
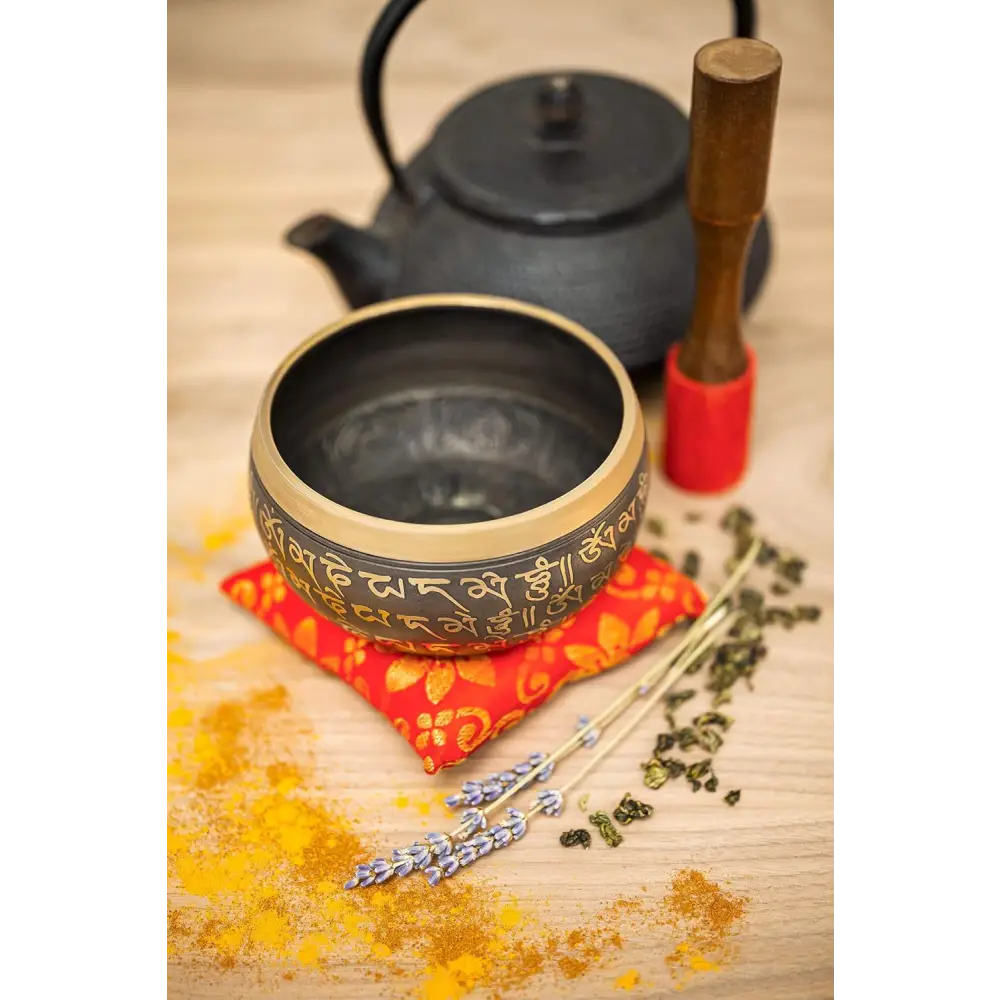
x,y
258,852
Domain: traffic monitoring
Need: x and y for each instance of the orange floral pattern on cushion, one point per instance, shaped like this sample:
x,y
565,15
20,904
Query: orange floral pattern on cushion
x,y
446,709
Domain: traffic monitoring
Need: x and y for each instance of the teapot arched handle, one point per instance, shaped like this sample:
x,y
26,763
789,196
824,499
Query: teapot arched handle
x,y
389,22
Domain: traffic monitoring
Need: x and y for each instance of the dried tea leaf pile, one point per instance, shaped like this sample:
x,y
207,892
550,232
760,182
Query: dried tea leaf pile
x,y
725,666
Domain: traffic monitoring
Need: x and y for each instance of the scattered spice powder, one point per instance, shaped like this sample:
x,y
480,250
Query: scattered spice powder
x,y
258,852
707,916
249,837
260,857
424,805
628,980
215,533
221,532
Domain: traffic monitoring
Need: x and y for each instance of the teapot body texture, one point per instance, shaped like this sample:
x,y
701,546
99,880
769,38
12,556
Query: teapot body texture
x,y
631,283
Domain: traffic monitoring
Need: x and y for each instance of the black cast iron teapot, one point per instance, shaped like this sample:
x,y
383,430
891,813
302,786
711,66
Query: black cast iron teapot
x,y
565,190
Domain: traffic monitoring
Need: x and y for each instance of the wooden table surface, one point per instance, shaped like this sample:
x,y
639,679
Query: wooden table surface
x,y
264,127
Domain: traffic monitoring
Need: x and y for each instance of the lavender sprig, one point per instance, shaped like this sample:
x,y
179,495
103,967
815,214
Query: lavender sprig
x,y
498,836
475,793
403,861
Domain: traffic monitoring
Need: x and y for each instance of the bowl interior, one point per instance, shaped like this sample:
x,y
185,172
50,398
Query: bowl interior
x,y
446,414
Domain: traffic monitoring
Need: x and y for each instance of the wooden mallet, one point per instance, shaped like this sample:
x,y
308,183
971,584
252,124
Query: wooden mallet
x,y
710,375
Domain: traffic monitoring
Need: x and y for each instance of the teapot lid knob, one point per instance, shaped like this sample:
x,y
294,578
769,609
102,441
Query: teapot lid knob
x,y
560,107
560,149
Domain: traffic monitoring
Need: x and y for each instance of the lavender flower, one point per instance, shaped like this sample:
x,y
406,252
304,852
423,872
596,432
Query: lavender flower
x,y
511,828
465,853
472,820
551,801
436,846
440,843
421,854
483,844
591,738
474,793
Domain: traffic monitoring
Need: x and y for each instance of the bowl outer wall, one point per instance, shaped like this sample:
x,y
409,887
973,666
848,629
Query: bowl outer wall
x,y
453,609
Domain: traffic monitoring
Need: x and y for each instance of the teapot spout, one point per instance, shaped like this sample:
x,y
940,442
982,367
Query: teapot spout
x,y
358,261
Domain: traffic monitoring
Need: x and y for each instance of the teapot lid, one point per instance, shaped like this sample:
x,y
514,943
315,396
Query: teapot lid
x,y
560,149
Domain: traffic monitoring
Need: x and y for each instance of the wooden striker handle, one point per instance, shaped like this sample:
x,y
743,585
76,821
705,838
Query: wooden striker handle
x,y
733,103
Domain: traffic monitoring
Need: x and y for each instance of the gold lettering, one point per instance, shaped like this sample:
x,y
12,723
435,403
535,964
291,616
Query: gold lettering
x,y
442,648
600,579
539,579
601,537
299,584
335,603
561,601
463,623
418,621
400,645
336,569
484,647
643,490
488,583
303,557
374,580
367,614
337,572
626,517
499,624
538,629
270,525
433,585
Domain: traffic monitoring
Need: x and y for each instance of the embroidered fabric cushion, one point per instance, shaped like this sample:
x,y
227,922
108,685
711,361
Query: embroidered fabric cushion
x,y
447,708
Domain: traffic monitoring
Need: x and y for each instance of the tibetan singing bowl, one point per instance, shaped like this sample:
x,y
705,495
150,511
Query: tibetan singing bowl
x,y
449,474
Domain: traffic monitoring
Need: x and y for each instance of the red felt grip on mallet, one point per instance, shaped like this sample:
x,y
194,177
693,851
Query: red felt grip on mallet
x,y
707,431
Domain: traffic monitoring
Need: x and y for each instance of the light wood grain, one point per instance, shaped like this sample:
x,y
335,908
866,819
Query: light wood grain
x,y
264,127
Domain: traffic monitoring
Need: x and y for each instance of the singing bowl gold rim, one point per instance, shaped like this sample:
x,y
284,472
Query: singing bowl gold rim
x,y
452,543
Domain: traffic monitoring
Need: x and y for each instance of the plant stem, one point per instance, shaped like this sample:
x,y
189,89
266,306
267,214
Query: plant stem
x,y
612,712
697,637
671,678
